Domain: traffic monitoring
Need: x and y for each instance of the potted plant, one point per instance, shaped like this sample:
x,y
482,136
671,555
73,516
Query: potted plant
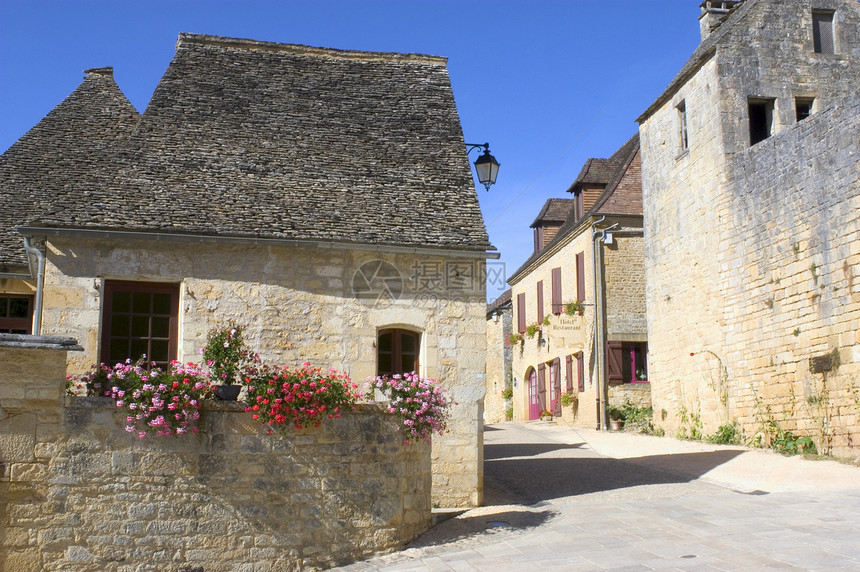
x,y
569,399
546,415
574,308
225,354
515,338
616,417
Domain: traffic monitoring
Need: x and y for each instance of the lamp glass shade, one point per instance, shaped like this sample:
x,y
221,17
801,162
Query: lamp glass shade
x,y
487,168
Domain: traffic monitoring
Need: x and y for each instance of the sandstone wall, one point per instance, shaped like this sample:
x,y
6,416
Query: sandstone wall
x,y
300,304
499,356
79,493
751,252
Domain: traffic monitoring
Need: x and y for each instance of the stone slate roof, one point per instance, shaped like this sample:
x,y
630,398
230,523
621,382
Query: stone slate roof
x,y
257,139
554,210
601,171
63,149
622,159
503,302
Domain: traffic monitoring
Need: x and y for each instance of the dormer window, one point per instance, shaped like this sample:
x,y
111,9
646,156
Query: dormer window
x,y
822,32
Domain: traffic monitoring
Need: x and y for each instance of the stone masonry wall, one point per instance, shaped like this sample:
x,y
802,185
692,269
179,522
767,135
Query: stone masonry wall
x,y
499,355
79,492
300,304
752,252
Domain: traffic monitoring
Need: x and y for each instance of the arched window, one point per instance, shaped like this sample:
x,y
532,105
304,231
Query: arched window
x,y
397,351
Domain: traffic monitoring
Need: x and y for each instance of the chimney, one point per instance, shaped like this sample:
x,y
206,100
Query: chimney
x,y
714,12
105,71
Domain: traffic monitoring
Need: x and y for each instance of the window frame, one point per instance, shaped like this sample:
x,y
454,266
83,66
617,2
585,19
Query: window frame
x,y
761,119
110,288
823,44
397,335
806,102
16,325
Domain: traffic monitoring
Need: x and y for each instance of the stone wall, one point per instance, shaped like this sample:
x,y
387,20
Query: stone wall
x,y
499,355
752,252
78,492
300,304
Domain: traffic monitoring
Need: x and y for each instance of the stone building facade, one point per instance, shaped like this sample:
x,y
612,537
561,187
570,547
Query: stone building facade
x,y
751,187
499,356
594,258
339,222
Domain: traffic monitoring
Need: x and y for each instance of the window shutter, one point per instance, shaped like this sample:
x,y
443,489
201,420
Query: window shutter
x,y
568,366
542,386
521,312
555,376
540,301
556,291
580,371
580,276
614,361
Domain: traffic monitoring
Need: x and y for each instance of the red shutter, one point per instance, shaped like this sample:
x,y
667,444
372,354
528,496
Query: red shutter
x,y
555,376
580,371
580,277
568,366
542,386
614,361
540,301
521,313
556,291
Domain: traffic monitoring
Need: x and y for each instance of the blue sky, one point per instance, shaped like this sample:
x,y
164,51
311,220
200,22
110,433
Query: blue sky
x,y
548,83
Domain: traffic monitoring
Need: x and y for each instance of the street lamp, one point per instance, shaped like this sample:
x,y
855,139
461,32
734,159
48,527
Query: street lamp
x,y
486,165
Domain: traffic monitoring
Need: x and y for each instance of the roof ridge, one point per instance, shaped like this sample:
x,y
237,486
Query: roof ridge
x,y
188,39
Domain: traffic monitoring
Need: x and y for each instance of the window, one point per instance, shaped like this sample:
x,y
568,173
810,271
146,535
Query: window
x,y
682,125
761,119
540,301
822,32
521,313
580,276
140,318
396,352
803,107
627,362
16,314
557,305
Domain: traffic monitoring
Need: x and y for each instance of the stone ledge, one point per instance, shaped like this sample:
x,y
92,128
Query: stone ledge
x,y
26,341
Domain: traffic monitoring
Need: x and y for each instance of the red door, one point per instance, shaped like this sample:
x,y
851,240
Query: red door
x,y
534,396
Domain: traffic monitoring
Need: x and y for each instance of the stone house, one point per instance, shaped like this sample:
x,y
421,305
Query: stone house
x,y
321,197
499,357
751,189
588,250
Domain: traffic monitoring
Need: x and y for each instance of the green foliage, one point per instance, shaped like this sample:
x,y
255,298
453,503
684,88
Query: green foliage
x,y
574,308
532,330
507,393
725,435
615,413
569,399
787,443
225,353
509,413
694,420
